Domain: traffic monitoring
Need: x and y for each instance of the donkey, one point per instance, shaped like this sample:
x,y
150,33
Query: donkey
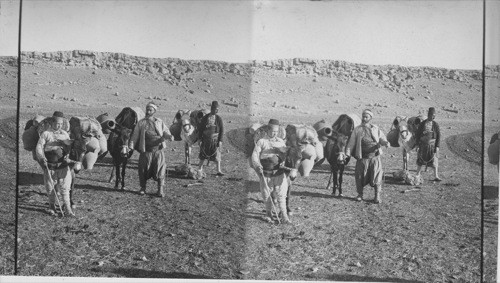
x,y
406,129
291,166
120,152
188,122
76,155
335,154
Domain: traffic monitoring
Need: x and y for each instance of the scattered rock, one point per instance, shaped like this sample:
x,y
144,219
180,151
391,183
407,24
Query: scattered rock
x,y
244,272
116,93
207,91
313,269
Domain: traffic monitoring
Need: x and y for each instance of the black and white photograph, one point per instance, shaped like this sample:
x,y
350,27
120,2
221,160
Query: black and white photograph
x,y
343,141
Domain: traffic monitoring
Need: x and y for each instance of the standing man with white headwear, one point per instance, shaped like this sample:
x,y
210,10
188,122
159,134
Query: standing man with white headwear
x,y
149,138
365,145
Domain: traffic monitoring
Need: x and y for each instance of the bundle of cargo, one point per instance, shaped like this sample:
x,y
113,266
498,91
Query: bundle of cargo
x,y
89,128
344,124
35,127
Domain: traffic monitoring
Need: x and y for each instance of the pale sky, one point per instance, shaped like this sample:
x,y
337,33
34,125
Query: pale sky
x,y
411,33
9,27
492,32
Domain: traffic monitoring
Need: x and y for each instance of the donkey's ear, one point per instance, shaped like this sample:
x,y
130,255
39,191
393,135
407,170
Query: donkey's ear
x,y
178,115
283,149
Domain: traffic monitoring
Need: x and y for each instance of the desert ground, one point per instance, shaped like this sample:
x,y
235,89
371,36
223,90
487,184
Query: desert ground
x,y
8,106
216,230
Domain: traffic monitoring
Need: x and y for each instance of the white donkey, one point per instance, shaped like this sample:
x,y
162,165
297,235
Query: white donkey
x,y
185,128
405,128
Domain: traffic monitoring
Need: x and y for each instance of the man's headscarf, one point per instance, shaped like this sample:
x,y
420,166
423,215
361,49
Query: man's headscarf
x,y
367,111
273,122
152,104
58,114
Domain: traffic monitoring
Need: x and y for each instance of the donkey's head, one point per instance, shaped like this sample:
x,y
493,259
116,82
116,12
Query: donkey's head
x,y
187,126
336,144
122,140
292,157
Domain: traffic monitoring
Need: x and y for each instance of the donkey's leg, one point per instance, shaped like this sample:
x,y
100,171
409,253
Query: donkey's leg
x,y
335,180
72,188
405,159
288,210
330,179
341,175
124,166
118,180
112,174
186,153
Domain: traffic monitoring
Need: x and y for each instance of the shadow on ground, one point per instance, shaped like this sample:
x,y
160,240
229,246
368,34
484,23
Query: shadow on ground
x,y
142,273
490,192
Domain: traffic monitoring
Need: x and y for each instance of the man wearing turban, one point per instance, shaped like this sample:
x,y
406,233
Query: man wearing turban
x,y
149,138
365,145
211,132
428,136
266,159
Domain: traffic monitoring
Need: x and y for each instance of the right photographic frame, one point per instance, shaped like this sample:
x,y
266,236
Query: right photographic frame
x,y
383,102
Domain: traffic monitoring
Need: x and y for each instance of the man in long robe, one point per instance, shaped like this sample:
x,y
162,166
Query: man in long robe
x,y
51,155
149,138
365,145
266,159
428,137
211,132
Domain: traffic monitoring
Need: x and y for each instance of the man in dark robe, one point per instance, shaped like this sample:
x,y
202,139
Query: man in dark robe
x,y
428,136
211,132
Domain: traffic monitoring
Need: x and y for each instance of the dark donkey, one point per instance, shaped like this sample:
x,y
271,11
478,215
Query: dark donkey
x,y
335,154
118,141
291,166
77,152
120,152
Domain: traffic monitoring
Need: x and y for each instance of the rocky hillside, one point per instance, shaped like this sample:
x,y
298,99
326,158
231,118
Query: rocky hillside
x,y
177,71
394,78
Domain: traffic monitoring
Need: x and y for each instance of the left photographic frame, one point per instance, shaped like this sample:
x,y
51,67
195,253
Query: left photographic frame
x,y
9,78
